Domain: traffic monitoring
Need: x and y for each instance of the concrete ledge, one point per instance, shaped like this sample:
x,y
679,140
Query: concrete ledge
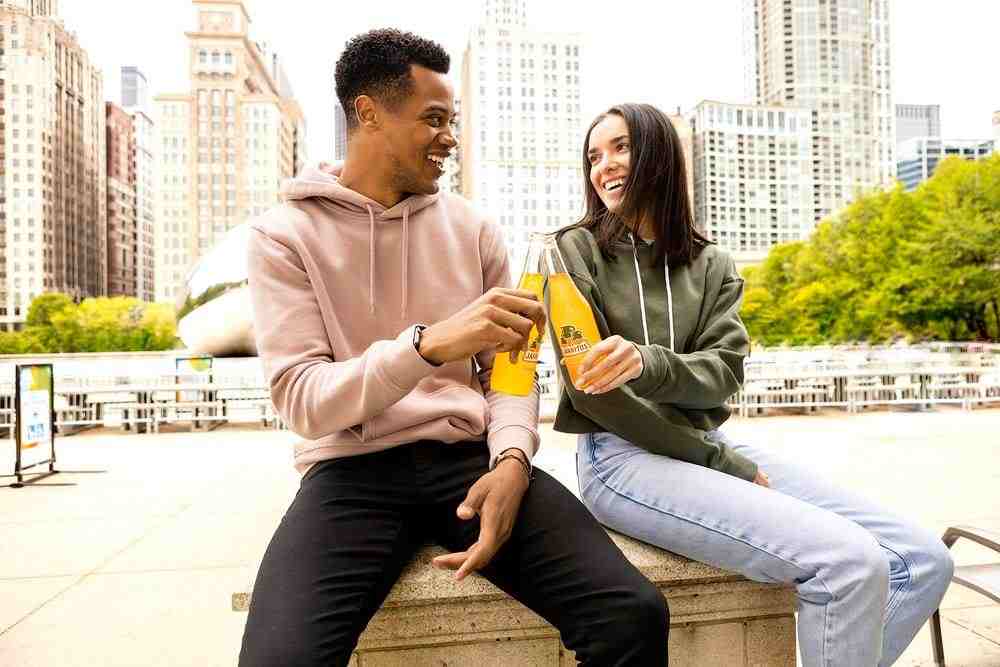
x,y
716,618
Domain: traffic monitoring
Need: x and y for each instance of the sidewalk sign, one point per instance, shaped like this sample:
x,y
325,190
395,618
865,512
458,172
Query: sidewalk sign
x,y
34,436
194,369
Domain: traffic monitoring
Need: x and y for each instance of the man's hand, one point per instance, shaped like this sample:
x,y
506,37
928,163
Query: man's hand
x,y
608,365
501,319
496,498
762,479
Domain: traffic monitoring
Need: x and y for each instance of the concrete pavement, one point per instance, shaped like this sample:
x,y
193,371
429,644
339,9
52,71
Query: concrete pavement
x,y
135,565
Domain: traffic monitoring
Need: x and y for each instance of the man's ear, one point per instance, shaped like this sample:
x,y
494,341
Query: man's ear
x,y
367,112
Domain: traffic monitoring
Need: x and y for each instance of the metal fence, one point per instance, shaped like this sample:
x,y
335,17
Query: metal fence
x,y
140,392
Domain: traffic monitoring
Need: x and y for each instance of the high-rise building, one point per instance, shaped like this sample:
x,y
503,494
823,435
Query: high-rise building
x,y
339,132
451,181
145,205
146,157
521,124
917,120
753,177
53,221
123,235
833,58
920,156
227,143
134,88
685,132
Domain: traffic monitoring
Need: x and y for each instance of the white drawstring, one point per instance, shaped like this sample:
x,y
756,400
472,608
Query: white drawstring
x,y
670,300
642,299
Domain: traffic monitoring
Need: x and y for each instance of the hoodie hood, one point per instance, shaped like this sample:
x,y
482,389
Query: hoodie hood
x,y
315,183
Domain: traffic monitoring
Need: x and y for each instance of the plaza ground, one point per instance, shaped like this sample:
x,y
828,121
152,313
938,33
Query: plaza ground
x,y
135,565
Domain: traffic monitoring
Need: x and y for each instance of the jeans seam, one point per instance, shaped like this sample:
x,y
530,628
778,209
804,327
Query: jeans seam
x,y
826,607
896,601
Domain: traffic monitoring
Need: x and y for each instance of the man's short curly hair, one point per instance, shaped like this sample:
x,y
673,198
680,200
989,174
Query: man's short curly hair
x,y
377,63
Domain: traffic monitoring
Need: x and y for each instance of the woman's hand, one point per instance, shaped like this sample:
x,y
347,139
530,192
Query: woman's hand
x,y
762,479
609,364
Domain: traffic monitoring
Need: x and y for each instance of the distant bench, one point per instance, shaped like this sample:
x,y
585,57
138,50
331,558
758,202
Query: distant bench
x,y
716,618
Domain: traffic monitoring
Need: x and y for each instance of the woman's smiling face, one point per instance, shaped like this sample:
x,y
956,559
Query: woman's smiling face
x,y
608,151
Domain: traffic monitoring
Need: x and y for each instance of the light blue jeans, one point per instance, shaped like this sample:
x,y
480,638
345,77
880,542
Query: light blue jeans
x,y
866,581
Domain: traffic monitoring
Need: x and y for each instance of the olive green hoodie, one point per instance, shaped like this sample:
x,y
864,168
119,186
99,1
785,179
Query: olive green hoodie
x,y
692,343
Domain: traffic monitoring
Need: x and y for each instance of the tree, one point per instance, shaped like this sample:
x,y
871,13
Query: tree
x,y
56,324
923,264
45,305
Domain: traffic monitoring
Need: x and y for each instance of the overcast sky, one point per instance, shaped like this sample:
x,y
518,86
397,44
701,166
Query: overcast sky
x,y
669,53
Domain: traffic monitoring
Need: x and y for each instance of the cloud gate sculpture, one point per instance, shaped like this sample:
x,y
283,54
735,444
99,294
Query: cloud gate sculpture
x,y
214,315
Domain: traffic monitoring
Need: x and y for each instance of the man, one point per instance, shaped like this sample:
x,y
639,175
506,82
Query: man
x,y
404,440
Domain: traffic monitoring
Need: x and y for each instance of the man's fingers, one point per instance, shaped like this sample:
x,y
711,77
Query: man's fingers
x,y
473,502
504,318
479,556
523,303
451,561
508,340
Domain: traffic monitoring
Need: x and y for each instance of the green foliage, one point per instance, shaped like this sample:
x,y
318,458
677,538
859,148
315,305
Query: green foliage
x,y
915,265
117,324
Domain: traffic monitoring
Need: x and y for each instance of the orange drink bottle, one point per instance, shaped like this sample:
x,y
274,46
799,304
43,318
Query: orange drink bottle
x,y
572,319
514,372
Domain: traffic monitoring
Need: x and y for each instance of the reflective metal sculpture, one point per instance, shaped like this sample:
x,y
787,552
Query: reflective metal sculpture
x,y
214,316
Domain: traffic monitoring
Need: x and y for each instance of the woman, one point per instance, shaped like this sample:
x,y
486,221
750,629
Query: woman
x,y
651,397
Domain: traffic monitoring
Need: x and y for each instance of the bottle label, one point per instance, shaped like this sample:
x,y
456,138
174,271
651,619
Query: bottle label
x,y
572,341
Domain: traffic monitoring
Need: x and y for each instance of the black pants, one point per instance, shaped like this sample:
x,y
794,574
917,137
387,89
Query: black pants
x,y
356,521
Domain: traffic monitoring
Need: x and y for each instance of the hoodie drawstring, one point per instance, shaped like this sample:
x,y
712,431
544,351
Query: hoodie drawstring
x,y
642,299
406,252
371,259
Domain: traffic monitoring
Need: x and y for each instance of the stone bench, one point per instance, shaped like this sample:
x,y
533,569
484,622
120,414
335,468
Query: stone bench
x,y
716,618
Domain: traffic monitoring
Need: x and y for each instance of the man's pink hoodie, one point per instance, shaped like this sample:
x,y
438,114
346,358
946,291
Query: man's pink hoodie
x,y
338,282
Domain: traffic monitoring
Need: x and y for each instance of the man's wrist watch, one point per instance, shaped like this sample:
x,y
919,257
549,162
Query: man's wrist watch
x,y
418,332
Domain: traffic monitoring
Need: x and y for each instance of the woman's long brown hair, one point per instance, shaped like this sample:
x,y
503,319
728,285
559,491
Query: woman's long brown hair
x,y
656,186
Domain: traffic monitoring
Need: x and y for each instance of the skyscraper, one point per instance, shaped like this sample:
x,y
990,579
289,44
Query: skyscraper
x,y
753,183
122,231
227,143
136,103
451,180
917,120
339,132
134,88
521,124
685,132
833,58
145,204
53,224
